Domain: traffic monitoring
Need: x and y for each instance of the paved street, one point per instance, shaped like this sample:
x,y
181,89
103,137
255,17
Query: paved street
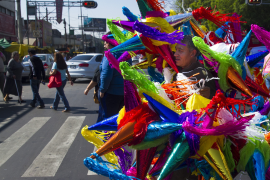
x,y
43,143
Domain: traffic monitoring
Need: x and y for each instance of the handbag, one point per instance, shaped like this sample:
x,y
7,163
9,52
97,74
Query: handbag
x,y
96,96
55,80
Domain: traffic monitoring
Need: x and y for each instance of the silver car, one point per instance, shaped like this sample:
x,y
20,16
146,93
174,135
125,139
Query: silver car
x,y
84,65
47,60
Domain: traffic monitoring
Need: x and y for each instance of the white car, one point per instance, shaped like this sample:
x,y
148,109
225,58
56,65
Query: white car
x,y
84,65
47,60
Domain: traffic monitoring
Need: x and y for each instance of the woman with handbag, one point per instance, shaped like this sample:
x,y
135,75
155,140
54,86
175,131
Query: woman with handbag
x,y
60,65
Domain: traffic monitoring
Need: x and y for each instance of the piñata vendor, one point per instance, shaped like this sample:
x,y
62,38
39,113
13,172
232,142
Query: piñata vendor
x,y
188,64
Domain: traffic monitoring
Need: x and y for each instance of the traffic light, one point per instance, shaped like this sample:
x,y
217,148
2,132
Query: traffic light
x,y
254,2
89,4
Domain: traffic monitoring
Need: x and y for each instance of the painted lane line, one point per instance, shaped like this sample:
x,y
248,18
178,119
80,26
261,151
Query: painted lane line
x,y
11,145
50,158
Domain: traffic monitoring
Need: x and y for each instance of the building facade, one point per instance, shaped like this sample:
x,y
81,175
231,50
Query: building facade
x,y
7,21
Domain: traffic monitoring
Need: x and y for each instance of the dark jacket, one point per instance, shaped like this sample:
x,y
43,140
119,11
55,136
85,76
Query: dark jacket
x,y
36,68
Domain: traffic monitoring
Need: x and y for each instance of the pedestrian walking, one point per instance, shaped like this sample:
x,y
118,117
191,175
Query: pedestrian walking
x,y
13,83
2,73
60,66
111,88
37,75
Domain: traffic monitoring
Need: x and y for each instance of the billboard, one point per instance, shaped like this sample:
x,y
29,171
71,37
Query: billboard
x,y
95,24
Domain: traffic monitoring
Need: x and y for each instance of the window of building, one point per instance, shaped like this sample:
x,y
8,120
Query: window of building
x,y
8,12
12,14
3,10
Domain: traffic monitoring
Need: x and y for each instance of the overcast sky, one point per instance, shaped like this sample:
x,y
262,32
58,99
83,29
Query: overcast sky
x,y
105,9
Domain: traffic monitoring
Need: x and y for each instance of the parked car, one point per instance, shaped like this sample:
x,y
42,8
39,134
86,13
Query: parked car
x,y
84,65
47,60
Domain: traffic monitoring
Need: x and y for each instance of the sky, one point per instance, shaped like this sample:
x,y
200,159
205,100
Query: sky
x,y
105,9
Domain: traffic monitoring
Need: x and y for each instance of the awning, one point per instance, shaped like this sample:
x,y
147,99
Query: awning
x,y
4,43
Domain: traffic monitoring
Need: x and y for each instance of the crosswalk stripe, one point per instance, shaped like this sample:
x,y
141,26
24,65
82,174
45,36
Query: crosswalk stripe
x,y
17,140
50,158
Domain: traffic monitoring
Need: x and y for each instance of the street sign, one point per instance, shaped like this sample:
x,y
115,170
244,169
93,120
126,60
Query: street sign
x,y
59,9
37,33
89,4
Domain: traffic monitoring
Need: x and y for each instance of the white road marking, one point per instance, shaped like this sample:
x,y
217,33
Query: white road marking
x,y
50,158
17,140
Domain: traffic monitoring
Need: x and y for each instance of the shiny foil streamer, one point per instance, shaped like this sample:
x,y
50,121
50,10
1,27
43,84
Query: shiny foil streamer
x,y
120,138
144,159
258,161
132,44
166,114
180,152
124,24
105,168
216,159
253,59
112,60
172,38
161,160
237,29
109,124
124,158
265,109
126,56
158,129
176,18
130,99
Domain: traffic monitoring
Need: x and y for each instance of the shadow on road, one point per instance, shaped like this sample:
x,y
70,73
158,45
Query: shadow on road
x,y
82,110
12,112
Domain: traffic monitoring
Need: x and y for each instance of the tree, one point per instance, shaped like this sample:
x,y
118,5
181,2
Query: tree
x,y
251,14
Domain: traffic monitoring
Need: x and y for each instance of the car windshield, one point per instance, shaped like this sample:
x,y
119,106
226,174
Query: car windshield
x,y
42,57
82,58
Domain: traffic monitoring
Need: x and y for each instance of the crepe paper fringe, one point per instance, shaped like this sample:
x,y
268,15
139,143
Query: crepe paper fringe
x,y
111,41
267,174
253,59
130,98
172,38
247,151
259,165
118,35
228,155
217,18
140,80
104,168
262,35
162,93
98,138
155,76
143,116
193,139
225,61
129,14
237,29
124,158
112,60
149,144
156,14
229,128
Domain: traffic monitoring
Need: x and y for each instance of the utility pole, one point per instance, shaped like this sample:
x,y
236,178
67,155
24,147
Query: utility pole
x,y
68,24
65,31
82,28
47,14
19,22
27,22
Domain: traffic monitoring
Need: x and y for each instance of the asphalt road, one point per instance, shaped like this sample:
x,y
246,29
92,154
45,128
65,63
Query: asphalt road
x,y
43,143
